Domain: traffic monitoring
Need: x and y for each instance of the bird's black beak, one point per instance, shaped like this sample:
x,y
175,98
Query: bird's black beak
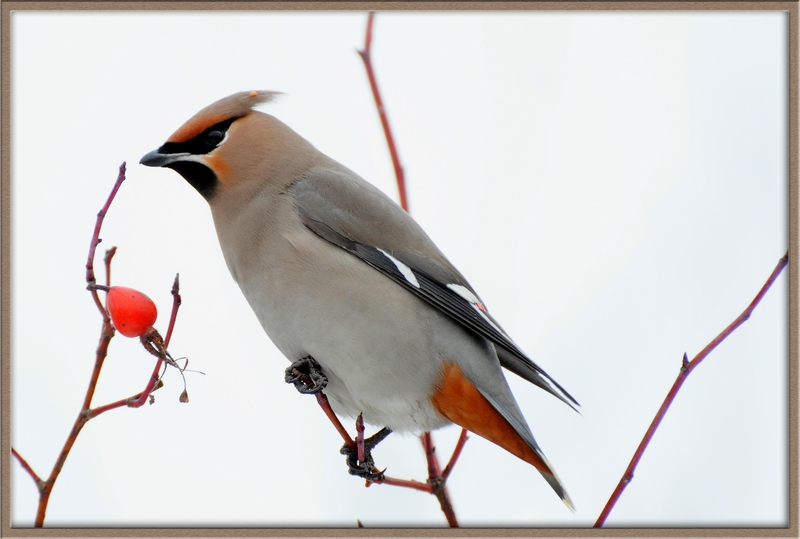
x,y
191,167
158,159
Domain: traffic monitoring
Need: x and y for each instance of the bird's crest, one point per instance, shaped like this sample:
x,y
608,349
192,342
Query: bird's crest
x,y
233,106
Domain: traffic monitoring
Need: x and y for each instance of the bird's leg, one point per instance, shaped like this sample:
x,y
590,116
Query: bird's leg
x,y
360,461
306,375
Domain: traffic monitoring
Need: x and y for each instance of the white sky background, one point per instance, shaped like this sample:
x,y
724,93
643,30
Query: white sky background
x,y
614,185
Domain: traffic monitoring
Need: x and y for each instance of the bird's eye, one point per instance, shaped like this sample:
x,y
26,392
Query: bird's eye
x,y
214,138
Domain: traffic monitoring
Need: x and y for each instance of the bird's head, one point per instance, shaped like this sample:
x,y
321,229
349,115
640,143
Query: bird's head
x,y
228,145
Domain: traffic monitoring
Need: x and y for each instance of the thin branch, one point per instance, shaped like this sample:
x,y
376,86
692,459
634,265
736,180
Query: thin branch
x,y
407,483
27,468
106,334
361,452
437,480
434,470
47,487
107,261
176,303
387,130
90,278
686,368
456,453
440,491
136,401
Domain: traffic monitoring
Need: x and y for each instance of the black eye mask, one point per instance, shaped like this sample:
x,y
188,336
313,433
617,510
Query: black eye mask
x,y
200,144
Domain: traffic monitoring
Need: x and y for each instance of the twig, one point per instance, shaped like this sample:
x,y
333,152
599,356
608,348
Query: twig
x,y
406,483
27,468
456,453
176,303
106,334
46,487
376,94
434,470
107,261
360,451
686,368
438,481
90,279
135,401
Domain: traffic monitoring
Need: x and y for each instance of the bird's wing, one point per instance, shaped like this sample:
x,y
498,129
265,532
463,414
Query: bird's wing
x,y
354,215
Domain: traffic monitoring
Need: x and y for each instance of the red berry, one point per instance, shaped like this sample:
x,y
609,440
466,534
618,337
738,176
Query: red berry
x,y
132,312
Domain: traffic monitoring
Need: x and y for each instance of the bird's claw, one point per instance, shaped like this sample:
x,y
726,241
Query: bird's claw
x,y
306,375
365,468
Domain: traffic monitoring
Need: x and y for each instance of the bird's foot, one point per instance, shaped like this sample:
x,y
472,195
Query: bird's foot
x,y
306,375
359,460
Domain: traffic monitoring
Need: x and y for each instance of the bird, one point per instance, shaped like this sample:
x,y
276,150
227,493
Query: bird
x,y
346,282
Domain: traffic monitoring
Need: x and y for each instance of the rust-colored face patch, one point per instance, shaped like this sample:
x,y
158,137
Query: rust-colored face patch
x,y
194,127
219,166
233,106
459,400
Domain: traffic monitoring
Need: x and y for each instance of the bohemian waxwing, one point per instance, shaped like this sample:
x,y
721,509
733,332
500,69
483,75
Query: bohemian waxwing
x,y
337,271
